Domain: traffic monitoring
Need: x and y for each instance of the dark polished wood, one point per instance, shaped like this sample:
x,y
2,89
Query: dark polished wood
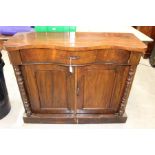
x,y
85,82
21,84
51,88
81,41
56,56
71,119
149,31
99,86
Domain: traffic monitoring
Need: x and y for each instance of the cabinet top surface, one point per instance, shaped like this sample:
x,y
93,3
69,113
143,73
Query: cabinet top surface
x,y
75,41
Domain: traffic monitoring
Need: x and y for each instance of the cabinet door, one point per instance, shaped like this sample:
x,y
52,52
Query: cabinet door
x,y
100,88
50,88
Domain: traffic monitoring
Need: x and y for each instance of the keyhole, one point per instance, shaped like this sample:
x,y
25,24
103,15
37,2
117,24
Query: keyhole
x,y
70,65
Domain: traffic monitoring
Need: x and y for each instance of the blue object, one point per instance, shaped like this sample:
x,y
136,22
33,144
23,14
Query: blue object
x,y
11,30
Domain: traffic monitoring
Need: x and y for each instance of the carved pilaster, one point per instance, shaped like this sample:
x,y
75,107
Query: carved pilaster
x,y
22,89
126,91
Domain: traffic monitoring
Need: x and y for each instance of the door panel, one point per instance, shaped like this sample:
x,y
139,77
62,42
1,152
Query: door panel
x,y
100,88
50,88
52,91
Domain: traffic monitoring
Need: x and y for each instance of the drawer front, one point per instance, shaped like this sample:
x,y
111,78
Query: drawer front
x,y
57,56
113,56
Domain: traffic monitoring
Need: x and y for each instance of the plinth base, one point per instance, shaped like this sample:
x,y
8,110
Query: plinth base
x,y
72,119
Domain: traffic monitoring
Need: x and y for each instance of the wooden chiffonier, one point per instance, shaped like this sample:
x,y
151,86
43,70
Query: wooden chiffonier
x,y
75,77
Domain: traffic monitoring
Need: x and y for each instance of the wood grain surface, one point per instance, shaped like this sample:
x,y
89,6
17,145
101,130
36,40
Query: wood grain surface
x,y
75,41
96,91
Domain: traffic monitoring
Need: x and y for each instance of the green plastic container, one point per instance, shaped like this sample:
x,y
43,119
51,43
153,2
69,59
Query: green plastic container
x,y
55,28
40,28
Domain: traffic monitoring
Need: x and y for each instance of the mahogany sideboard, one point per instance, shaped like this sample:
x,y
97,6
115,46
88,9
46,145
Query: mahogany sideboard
x,y
75,77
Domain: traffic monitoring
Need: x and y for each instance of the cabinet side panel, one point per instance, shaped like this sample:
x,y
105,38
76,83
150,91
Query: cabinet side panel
x,y
122,73
15,58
